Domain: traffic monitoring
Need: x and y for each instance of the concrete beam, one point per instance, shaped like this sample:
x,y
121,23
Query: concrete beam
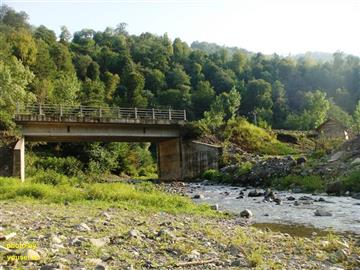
x,y
19,160
40,131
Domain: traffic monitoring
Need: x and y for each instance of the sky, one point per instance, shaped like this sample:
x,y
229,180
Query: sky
x,y
268,26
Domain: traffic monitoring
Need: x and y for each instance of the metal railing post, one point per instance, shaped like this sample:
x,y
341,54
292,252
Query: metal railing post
x,y
61,111
169,113
153,113
136,113
119,113
40,109
184,115
100,112
81,111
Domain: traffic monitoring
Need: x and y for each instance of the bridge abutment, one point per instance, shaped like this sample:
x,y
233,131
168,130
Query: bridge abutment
x,y
181,160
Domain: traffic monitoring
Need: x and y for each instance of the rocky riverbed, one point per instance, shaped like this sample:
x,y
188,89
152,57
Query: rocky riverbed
x,y
94,236
341,214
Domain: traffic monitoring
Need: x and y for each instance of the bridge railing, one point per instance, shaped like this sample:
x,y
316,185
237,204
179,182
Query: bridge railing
x,y
61,111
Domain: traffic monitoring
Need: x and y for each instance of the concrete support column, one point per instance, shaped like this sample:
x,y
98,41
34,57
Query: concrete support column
x,y
170,160
19,160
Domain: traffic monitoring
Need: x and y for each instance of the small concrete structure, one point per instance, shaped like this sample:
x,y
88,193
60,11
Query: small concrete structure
x,y
334,129
19,159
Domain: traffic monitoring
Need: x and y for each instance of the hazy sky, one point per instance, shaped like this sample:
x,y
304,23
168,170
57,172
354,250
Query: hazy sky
x,y
268,26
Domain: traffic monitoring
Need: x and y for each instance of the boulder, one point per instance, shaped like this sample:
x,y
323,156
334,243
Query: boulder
x,y
301,160
199,196
255,193
322,213
246,214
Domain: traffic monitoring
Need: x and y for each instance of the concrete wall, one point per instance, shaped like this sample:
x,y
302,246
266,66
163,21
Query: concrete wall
x,y
198,157
181,160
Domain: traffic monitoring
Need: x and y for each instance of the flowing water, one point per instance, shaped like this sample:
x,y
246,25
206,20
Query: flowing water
x,y
287,216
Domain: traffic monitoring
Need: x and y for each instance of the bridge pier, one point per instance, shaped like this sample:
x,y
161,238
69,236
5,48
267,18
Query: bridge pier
x,y
19,160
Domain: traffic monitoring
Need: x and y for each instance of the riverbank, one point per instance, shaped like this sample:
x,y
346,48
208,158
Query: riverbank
x,y
91,236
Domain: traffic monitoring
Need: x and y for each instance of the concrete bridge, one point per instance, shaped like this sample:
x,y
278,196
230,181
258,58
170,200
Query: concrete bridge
x,y
177,159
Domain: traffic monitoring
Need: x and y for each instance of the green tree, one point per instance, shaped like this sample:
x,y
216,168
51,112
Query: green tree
x,y
258,100
14,78
202,98
357,117
66,89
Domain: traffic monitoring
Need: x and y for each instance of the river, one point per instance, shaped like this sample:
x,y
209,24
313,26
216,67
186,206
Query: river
x,y
345,210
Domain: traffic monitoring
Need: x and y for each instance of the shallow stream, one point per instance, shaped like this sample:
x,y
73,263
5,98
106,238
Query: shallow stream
x,y
345,210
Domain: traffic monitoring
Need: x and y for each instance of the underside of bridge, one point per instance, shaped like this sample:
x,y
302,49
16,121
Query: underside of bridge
x,y
177,159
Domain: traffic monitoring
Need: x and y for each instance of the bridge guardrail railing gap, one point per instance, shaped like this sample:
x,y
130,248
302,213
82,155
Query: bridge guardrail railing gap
x,y
40,111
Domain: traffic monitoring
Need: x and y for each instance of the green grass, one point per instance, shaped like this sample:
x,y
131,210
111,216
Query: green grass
x,y
138,197
312,183
255,139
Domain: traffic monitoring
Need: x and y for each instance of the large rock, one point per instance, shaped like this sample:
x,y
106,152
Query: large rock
x,y
336,156
199,196
246,214
255,193
322,213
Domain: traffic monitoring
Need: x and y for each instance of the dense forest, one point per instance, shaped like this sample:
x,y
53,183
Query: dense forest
x,y
115,68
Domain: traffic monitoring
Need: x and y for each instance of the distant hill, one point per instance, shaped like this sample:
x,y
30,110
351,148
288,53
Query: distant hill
x,y
213,48
320,56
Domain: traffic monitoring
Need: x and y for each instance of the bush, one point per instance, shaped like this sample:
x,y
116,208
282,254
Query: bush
x,y
306,183
216,176
69,166
351,182
52,177
244,168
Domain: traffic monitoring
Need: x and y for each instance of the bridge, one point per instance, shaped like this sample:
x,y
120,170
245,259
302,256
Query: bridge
x,y
177,159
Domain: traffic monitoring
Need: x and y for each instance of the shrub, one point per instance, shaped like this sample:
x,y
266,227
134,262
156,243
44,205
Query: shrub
x,y
244,168
216,176
69,166
351,182
306,183
51,177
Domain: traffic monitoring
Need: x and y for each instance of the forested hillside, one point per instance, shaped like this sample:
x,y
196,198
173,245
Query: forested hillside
x,y
115,68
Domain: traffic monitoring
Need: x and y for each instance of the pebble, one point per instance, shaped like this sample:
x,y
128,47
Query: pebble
x,y
83,227
98,242
31,255
215,207
134,233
